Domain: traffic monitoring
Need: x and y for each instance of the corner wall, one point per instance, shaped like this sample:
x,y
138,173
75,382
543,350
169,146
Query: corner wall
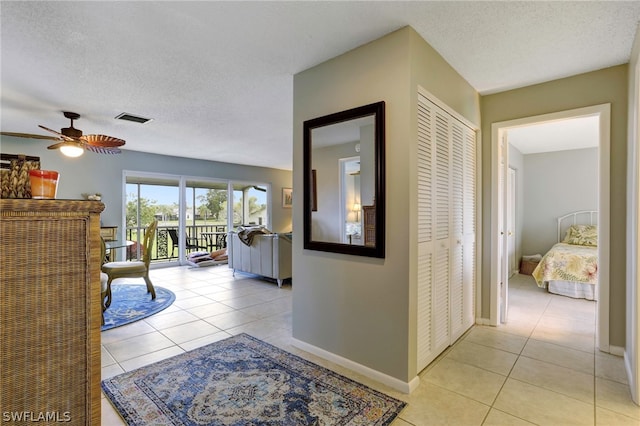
x,y
632,351
357,309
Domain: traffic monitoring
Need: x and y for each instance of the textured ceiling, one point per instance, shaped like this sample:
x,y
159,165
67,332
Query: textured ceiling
x,y
562,135
217,77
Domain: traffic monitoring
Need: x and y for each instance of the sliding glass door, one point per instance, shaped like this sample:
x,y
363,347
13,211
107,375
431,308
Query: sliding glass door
x,y
193,213
149,198
206,215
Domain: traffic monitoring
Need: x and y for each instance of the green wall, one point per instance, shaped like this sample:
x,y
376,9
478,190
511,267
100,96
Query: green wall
x,y
609,85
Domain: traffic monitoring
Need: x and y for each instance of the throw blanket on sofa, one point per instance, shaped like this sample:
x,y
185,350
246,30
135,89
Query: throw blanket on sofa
x,y
246,234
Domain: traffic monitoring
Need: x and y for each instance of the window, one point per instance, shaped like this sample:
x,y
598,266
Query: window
x,y
250,204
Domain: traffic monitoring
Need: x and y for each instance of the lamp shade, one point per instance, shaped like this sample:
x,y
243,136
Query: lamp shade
x,y
72,149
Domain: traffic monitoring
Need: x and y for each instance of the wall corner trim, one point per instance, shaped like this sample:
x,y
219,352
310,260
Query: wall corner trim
x,y
399,385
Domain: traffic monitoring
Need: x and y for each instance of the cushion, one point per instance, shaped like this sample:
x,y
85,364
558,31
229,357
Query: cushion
x,y
124,266
103,282
221,252
582,235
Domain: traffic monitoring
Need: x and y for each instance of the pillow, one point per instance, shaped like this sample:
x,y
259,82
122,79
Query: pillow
x,y
215,254
582,235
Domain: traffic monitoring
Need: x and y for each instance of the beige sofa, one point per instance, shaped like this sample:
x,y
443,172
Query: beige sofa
x,y
269,255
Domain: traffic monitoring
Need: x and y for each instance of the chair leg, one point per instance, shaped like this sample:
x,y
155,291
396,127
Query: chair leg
x,y
150,288
103,296
107,302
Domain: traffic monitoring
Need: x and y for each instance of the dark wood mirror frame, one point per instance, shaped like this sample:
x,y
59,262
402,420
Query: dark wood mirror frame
x,y
377,110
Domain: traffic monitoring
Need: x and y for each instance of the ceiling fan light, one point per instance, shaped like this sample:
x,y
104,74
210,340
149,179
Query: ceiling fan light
x,y
72,150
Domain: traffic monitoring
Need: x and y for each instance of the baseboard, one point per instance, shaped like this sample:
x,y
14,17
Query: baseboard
x,y
631,378
483,321
616,350
399,385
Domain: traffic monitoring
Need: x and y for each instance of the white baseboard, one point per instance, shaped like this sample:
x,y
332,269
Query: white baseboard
x,y
397,384
633,388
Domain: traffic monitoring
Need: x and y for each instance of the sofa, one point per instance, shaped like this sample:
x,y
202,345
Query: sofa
x,y
264,254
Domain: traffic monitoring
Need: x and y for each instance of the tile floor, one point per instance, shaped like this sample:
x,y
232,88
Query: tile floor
x,y
540,368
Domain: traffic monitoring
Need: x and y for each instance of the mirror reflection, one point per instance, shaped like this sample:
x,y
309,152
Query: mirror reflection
x,y
342,157
343,152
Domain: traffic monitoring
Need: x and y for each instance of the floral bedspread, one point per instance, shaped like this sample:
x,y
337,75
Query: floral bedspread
x,y
568,262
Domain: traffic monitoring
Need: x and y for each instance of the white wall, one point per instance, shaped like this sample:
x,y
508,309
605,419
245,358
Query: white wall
x,y
556,183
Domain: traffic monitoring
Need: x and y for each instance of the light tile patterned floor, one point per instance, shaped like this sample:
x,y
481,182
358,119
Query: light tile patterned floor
x,y
540,368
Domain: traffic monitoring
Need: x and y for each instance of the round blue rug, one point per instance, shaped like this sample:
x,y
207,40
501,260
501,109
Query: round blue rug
x,y
131,302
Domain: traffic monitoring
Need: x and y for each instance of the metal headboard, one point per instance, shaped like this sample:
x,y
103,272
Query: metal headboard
x,y
582,217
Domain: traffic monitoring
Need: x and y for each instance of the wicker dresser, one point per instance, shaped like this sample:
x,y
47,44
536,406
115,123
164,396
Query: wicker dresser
x,y
50,311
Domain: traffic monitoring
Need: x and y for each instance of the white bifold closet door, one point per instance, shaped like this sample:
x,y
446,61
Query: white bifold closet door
x,y
446,186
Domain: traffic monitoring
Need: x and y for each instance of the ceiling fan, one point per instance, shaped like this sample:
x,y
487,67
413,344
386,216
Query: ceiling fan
x,y
72,142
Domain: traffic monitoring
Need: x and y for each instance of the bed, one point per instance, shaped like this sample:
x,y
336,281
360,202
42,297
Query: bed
x,y
570,268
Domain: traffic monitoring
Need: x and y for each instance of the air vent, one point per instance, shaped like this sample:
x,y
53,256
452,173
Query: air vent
x,y
134,118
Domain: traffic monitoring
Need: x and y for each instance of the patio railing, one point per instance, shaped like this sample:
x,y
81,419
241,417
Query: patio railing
x,y
208,237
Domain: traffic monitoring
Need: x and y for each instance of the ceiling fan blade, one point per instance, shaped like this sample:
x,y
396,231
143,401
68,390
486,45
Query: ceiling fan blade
x,y
29,135
102,150
102,141
65,137
101,144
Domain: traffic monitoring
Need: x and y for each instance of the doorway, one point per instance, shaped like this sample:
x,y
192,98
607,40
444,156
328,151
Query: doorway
x,y
350,204
499,215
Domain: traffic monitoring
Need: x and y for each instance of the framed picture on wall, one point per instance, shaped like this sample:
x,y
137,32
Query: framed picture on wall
x,y
287,198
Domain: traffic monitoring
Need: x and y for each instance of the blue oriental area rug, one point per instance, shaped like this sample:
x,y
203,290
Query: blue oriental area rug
x,y
244,381
131,302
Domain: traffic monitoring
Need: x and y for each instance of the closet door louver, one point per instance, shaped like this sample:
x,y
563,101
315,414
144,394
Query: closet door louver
x,y
470,188
425,344
446,229
457,219
442,201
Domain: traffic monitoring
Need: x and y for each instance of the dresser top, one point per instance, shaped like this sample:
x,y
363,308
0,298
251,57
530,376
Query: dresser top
x,y
29,204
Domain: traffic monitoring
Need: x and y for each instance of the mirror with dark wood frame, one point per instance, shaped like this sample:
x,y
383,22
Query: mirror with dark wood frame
x,y
344,182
